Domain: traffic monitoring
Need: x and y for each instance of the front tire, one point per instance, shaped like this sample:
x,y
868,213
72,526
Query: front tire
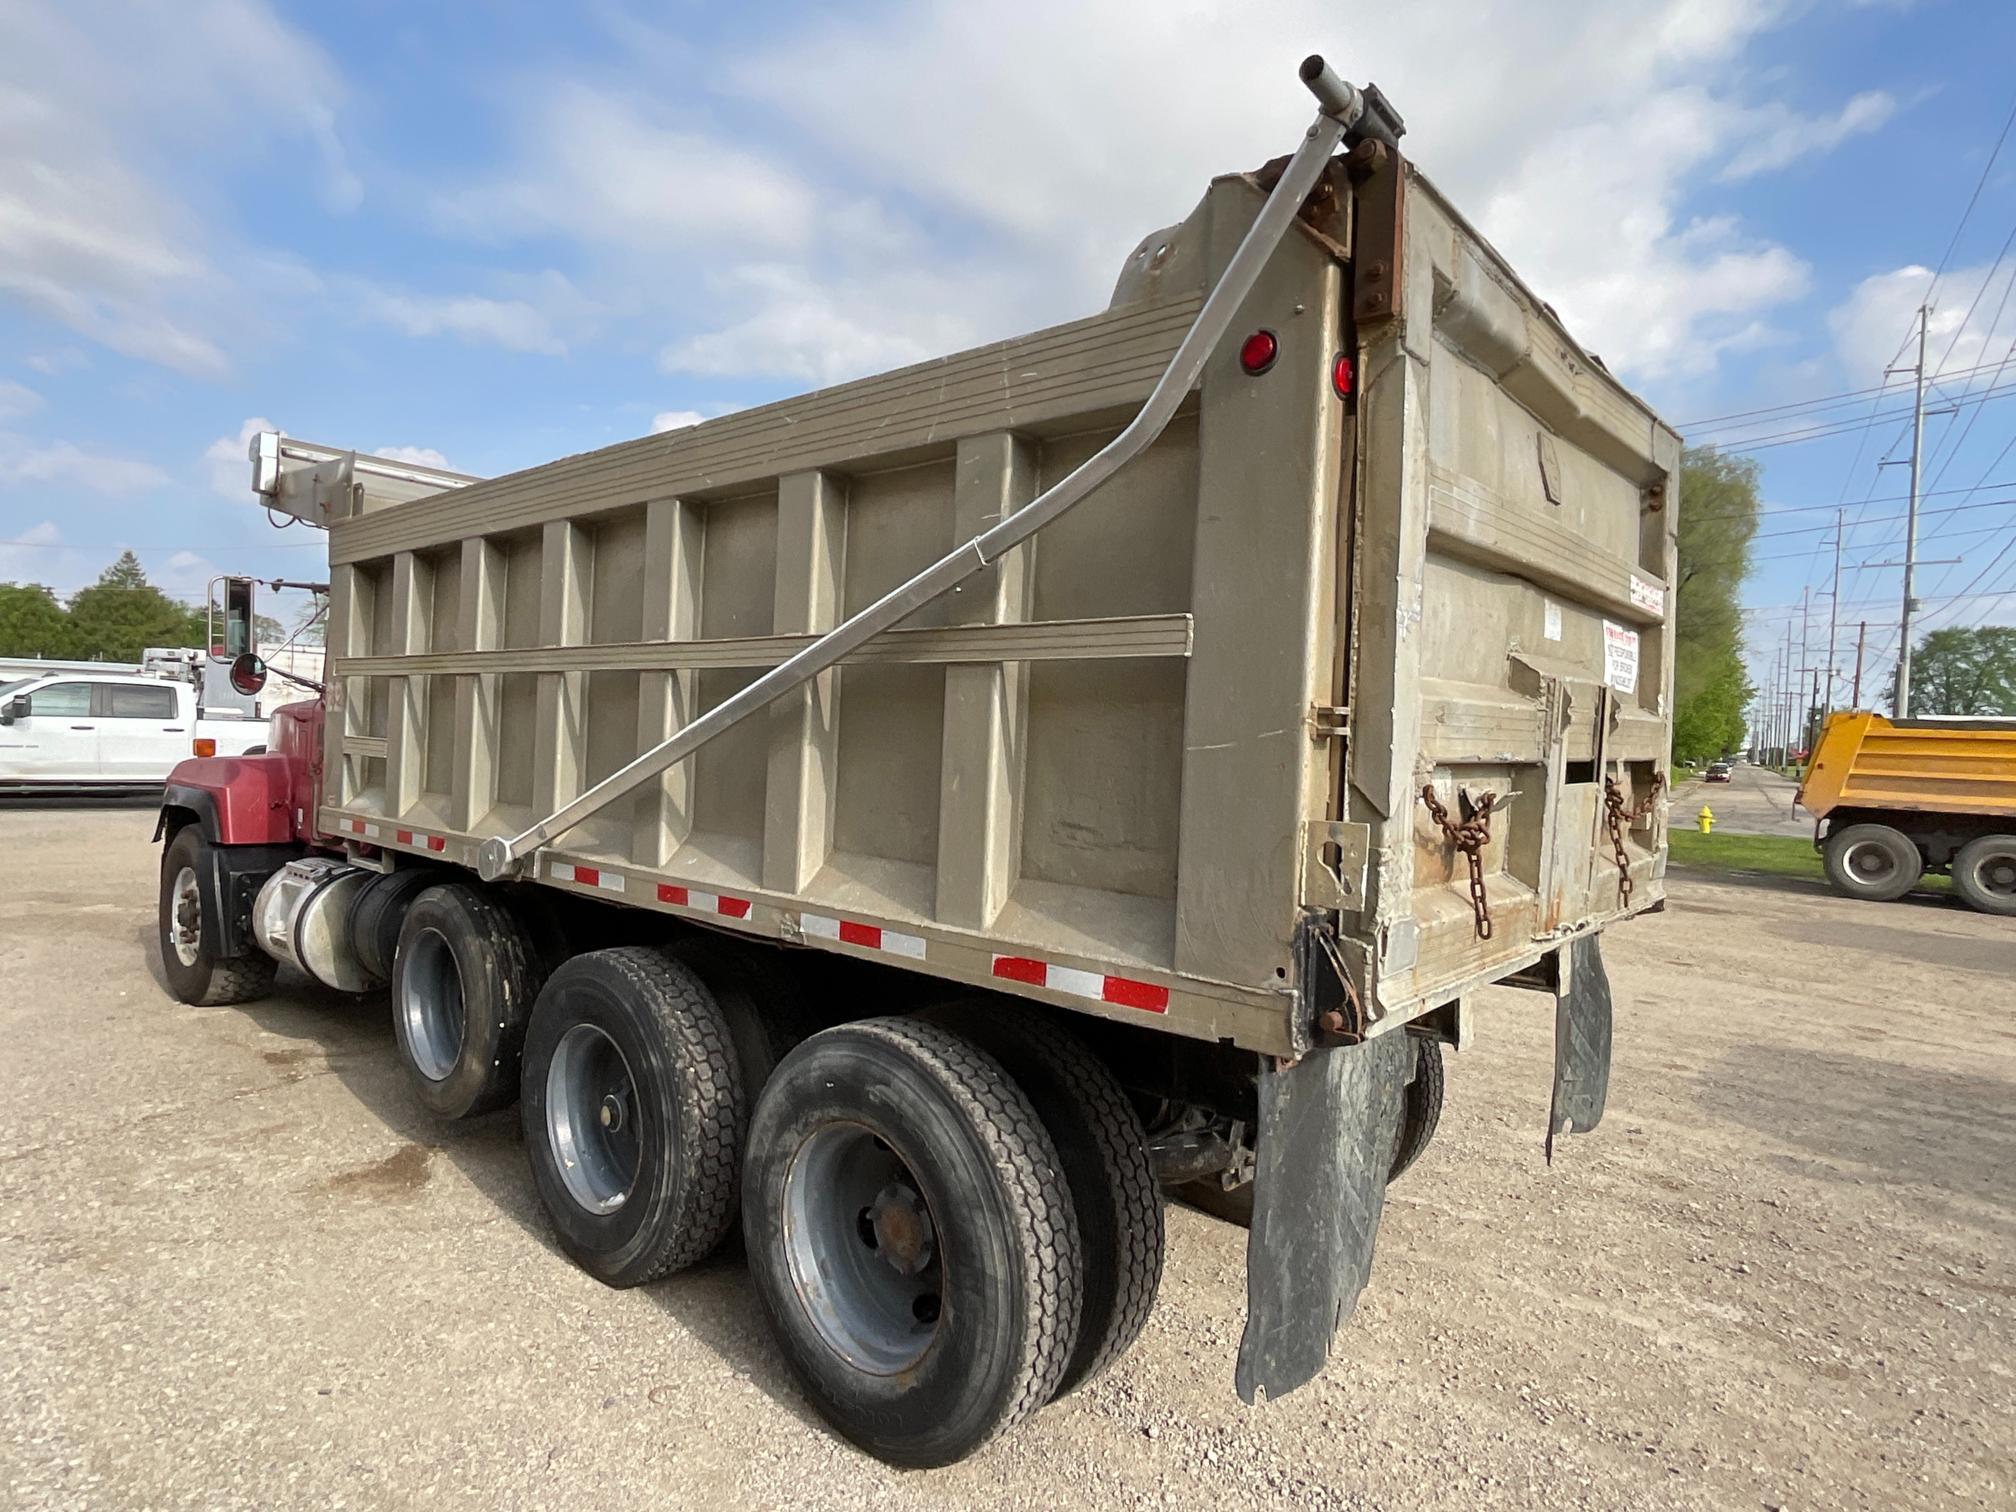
x,y
911,1233
634,1114
1873,862
1984,873
196,973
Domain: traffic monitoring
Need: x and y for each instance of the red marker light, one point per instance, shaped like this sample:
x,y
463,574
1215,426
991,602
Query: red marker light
x,y
1258,351
1341,375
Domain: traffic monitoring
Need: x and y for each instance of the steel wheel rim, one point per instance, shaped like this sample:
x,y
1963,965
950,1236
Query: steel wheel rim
x,y
1867,861
863,1249
185,917
1997,873
592,1119
430,1004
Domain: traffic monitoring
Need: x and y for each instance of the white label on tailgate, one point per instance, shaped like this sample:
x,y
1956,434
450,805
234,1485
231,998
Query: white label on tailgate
x,y
1620,657
1648,596
1550,620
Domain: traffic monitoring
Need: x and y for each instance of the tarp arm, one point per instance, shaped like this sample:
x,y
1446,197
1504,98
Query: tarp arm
x,y
1343,109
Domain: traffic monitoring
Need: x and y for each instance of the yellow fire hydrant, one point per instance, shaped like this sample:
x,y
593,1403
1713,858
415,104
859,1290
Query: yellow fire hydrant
x,y
1705,820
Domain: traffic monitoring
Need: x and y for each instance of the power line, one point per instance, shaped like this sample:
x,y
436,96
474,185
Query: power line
x,y
179,546
1824,401
1846,427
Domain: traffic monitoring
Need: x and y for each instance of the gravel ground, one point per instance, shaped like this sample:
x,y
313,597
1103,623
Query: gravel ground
x,y
240,1268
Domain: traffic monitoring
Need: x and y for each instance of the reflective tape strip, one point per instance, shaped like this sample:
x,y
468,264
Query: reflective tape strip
x,y
586,876
361,827
432,842
1124,992
706,902
867,936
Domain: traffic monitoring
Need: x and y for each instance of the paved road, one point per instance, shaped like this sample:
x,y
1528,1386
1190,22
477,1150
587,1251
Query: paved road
x,y
240,1268
1756,802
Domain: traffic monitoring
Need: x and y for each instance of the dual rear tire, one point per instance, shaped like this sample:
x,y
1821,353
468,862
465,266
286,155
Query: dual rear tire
x,y
937,1258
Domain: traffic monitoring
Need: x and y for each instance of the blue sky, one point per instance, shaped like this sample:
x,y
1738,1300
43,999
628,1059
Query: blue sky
x,y
496,235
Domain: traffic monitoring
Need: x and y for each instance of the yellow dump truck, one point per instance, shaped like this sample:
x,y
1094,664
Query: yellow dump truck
x,y
1897,798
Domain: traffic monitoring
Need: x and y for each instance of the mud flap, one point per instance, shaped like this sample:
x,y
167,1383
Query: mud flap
x,y
1324,1146
1581,1041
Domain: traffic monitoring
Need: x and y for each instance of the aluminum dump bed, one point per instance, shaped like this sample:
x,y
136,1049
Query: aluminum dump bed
x,y
1165,761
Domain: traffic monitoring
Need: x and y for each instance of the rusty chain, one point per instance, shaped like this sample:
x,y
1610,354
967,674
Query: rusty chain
x,y
1620,818
1470,837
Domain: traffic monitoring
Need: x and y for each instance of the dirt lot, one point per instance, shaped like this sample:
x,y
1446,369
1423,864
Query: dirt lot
x,y
241,1269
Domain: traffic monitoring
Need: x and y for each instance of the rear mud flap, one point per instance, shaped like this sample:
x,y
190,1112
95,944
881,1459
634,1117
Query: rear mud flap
x,y
1324,1146
1581,1041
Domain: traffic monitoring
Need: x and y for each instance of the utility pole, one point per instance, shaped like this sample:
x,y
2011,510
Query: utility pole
x,y
1834,612
1901,707
1861,640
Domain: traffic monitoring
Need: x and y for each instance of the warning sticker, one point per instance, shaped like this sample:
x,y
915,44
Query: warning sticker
x,y
1550,620
1620,657
1648,596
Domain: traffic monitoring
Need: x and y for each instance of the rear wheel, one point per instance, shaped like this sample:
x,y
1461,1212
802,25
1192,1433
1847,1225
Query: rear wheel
x,y
464,978
633,1111
196,973
912,1236
1104,1152
1984,873
1873,862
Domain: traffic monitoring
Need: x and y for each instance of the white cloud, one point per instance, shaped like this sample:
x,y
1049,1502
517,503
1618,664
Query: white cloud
x,y
227,461
17,399
1874,326
924,238
1777,137
512,324
612,170
823,331
419,456
100,106
65,462
679,419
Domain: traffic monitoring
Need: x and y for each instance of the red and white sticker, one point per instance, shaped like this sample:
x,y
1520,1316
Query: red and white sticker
x,y
432,842
706,902
586,876
362,827
1125,992
867,936
1648,596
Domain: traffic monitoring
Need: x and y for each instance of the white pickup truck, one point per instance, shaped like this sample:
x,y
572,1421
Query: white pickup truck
x,y
106,731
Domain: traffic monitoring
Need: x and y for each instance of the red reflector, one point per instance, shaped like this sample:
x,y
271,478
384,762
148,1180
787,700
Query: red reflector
x,y
203,747
1341,375
1258,351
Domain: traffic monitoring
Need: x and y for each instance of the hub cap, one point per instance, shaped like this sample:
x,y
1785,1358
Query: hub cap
x,y
591,1118
430,1005
863,1248
185,925
1998,874
1870,862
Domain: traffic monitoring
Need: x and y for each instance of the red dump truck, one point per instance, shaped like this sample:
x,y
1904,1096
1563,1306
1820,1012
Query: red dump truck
x,y
922,821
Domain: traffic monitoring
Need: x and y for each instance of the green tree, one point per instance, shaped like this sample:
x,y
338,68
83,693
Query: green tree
x,y
32,623
122,612
1718,517
1963,671
268,634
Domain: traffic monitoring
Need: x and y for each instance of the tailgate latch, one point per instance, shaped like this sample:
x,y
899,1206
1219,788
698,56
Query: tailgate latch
x,y
1335,856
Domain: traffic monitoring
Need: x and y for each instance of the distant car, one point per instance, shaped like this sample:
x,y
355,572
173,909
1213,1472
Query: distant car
x,y
1718,771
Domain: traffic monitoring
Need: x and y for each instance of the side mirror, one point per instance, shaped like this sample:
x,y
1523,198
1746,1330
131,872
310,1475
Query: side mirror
x,y
15,708
248,673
